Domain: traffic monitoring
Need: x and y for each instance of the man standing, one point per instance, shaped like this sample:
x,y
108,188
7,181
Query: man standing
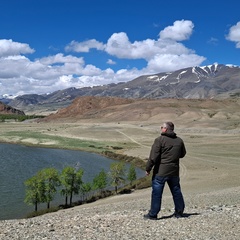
x,y
166,151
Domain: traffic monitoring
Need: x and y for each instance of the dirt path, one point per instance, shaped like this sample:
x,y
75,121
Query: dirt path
x,y
133,140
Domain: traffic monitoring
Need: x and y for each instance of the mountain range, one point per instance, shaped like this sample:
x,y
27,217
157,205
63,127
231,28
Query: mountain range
x,y
207,82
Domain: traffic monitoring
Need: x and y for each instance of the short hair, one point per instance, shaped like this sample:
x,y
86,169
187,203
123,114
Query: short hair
x,y
169,126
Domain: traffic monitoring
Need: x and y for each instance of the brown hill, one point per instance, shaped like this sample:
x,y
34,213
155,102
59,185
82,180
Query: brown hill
x,y
88,107
5,109
151,110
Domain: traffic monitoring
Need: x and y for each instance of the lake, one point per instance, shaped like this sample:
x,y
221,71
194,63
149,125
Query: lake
x,y
18,163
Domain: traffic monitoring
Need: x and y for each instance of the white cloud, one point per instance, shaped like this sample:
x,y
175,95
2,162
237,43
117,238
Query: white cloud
x,y
163,54
181,30
119,45
64,81
10,48
20,75
84,46
60,58
91,70
170,62
111,62
213,41
234,34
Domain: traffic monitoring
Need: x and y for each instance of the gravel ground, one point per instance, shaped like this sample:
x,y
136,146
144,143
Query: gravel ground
x,y
121,217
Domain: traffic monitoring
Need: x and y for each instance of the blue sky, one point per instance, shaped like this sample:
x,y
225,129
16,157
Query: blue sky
x,y
49,45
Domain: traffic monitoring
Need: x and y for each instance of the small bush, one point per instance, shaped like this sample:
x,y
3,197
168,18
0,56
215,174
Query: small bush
x,y
91,146
116,148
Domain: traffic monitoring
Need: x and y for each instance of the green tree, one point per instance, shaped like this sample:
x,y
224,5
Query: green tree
x,y
131,176
71,180
100,181
52,181
35,190
117,174
85,189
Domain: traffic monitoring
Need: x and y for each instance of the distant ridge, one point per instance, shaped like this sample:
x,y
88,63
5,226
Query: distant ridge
x,y
213,81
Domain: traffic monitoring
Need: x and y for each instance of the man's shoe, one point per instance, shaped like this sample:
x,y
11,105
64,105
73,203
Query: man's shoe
x,y
147,216
178,215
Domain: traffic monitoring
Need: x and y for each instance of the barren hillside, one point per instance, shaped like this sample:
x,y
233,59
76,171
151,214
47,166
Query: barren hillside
x,y
183,111
5,109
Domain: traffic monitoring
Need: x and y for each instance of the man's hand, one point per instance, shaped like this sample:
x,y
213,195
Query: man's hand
x,y
147,173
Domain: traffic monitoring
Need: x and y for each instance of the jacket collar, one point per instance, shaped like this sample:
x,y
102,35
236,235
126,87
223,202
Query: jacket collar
x,y
169,134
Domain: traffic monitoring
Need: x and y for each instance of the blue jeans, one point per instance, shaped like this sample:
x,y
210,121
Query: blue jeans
x,y
158,184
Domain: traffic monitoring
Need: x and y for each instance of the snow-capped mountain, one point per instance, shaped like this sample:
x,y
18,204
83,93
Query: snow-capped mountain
x,y
213,81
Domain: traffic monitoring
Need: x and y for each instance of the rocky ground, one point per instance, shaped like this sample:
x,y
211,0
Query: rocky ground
x,y
121,217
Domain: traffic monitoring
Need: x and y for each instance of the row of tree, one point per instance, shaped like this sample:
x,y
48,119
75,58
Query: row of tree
x,y
18,117
42,187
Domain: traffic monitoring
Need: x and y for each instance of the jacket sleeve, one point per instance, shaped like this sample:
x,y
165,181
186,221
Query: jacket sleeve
x,y
183,152
155,153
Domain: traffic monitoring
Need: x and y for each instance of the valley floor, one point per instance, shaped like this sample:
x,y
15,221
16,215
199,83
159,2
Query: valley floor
x,y
209,176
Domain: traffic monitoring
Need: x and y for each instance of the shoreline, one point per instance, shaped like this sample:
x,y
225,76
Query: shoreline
x,y
42,209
